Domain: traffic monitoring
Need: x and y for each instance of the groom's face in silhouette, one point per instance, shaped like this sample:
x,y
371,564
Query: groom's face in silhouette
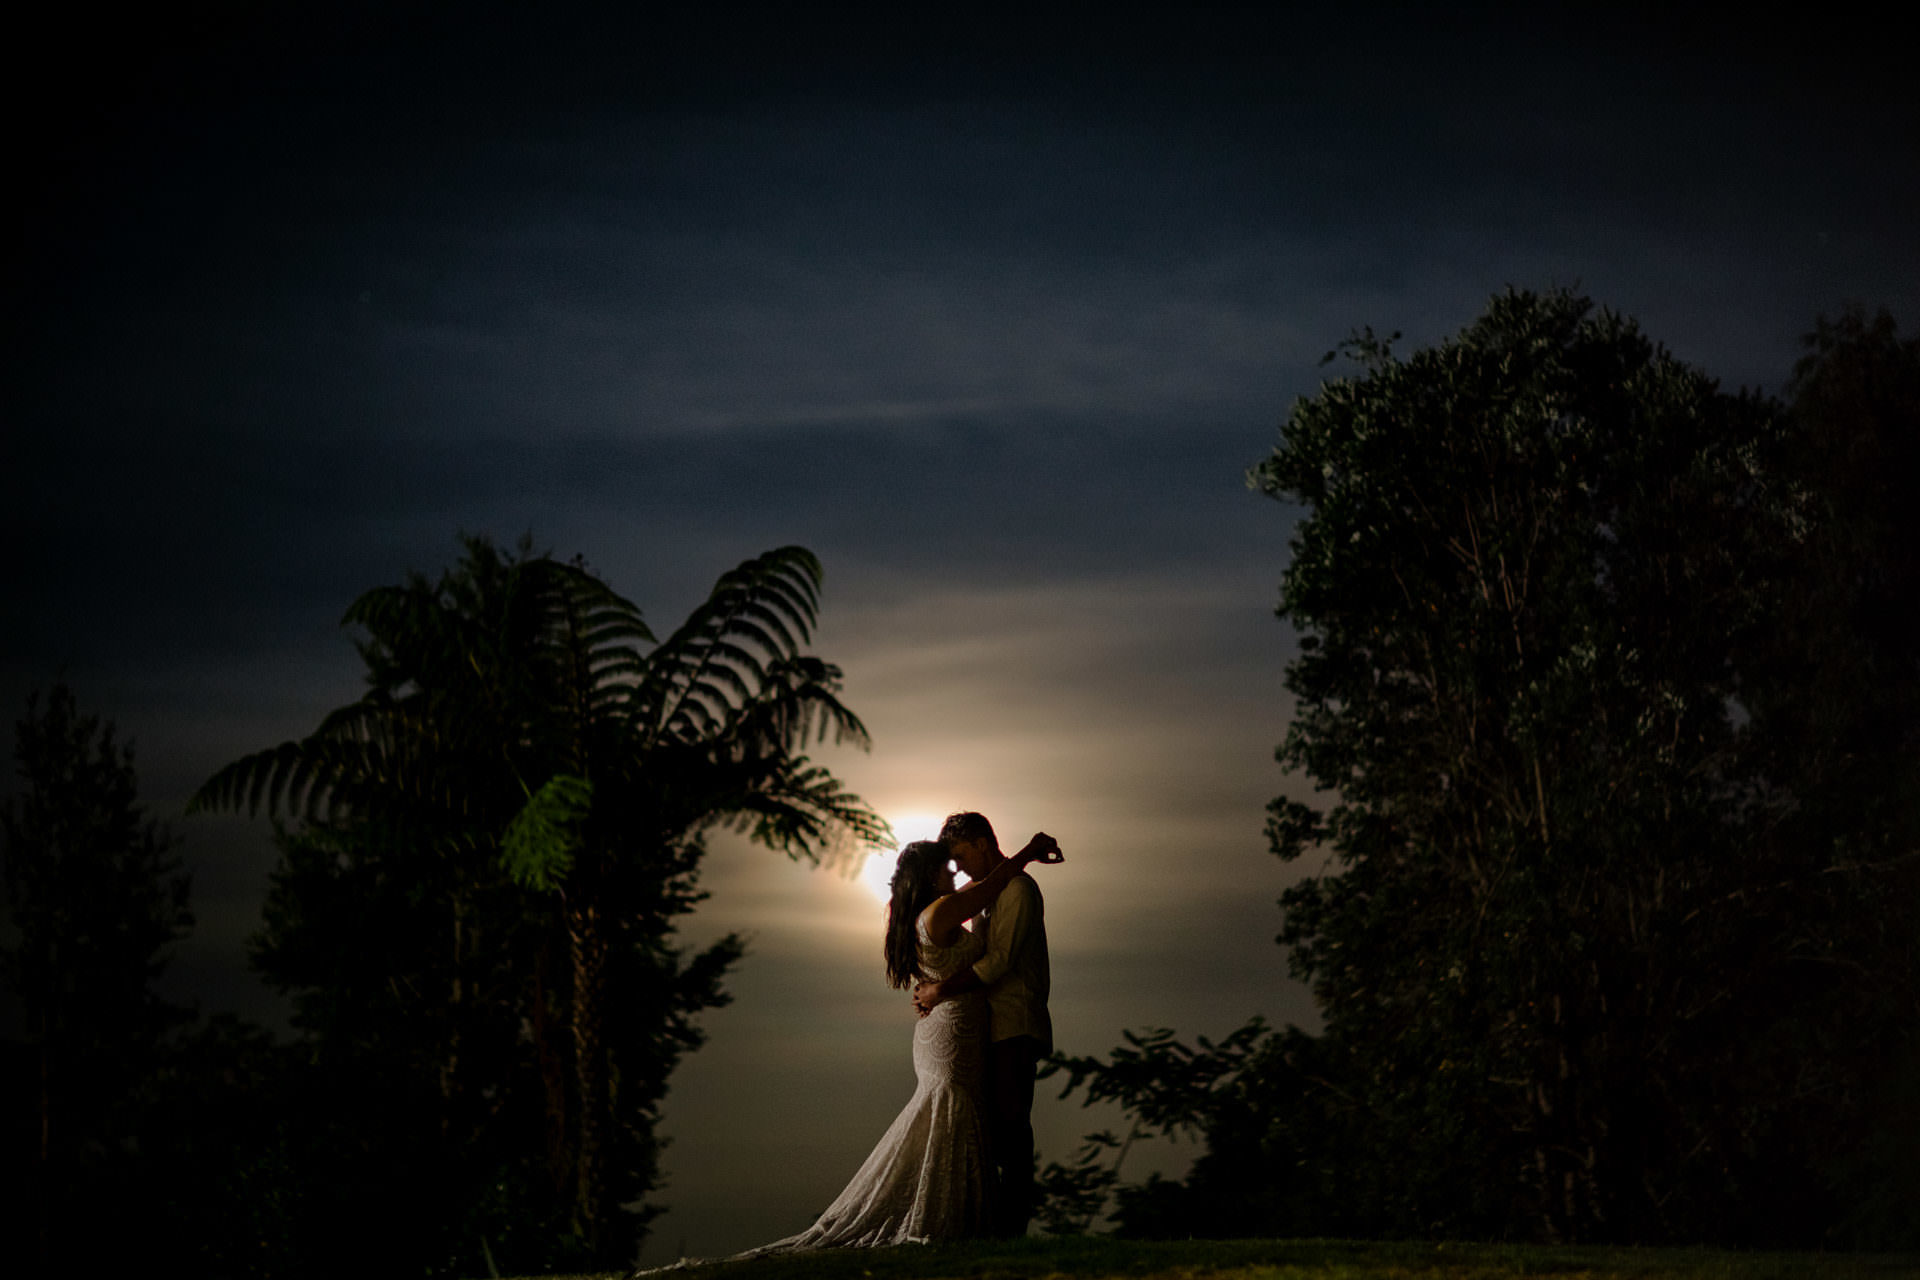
x,y
975,858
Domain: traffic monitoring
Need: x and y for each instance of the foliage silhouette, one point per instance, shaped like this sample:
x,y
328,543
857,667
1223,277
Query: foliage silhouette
x,y
495,843
96,900
1613,943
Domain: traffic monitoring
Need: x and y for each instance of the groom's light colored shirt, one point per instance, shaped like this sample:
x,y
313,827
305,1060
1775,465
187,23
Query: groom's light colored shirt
x,y
1014,969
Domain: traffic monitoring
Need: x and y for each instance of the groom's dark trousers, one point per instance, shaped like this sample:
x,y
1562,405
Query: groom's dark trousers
x,y
1010,1068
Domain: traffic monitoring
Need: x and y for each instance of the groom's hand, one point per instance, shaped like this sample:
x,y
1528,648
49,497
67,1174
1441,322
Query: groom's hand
x,y
925,996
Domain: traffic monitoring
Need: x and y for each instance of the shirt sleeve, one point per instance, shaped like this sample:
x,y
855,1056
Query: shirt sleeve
x,y
1008,928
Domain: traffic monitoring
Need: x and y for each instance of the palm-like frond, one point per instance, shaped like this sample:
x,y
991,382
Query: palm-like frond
x,y
506,675
293,778
800,809
731,691
357,765
541,841
699,681
797,703
473,682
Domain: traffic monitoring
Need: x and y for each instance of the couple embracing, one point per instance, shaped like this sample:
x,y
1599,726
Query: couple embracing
x,y
958,1161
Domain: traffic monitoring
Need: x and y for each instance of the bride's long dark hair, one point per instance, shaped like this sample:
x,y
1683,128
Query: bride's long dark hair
x,y
916,882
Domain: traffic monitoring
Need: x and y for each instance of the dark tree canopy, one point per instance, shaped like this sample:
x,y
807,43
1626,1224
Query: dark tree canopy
x,y
96,900
1606,677
1532,559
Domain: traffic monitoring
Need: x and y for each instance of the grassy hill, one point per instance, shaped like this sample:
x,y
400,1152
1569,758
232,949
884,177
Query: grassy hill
x,y
1058,1258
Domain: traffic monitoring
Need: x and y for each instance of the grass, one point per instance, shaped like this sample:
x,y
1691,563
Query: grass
x,y
1105,1258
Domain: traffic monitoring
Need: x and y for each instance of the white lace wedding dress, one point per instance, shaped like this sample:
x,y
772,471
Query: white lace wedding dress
x,y
927,1180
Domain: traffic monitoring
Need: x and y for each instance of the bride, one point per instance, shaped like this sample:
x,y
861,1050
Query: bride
x,y
927,1180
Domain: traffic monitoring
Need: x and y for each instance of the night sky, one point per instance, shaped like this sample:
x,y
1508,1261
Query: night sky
x,y
991,312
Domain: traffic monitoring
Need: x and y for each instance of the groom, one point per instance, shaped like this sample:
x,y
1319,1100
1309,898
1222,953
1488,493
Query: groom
x,y
1014,973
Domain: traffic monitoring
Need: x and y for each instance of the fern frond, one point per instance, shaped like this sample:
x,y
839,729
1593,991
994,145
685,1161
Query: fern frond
x,y
240,786
507,668
541,841
803,811
756,615
800,702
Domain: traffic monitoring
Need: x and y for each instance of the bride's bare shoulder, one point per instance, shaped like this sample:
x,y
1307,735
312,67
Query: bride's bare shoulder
x,y
928,924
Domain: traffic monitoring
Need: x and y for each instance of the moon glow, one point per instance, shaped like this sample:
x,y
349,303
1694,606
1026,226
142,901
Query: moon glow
x,y
877,872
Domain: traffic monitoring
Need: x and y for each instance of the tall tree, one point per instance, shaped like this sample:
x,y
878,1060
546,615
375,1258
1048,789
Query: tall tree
x,y
1538,582
1836,706
528,782
96,899
1607,680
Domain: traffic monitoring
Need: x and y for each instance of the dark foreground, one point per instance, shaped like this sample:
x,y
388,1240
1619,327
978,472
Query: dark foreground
x,y
1100,1256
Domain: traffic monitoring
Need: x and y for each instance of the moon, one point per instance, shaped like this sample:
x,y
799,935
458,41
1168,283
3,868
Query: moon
x,y
877,871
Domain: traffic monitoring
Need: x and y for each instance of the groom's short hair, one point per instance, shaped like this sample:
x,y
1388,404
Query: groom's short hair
x,y
967,826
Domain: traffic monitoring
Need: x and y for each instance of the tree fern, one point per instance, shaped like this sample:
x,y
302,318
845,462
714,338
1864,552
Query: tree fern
x,y
523,732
